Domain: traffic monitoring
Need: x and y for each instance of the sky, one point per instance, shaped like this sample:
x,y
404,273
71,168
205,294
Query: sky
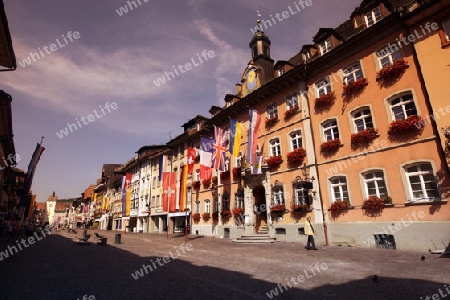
x,y
95,66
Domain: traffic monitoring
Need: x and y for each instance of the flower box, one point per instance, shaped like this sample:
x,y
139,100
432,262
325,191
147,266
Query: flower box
x,y
355,86
196,217
297,156
364,136
225,213
271,121
290,112
196,184
274,161
331,145
412,123
387,200
214,179
215,216
299,208
339,206
206,182
278,208
206,216
238,211
225,175
373,203
394,70
325,99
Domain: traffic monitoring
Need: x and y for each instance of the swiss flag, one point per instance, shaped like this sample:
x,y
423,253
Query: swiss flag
x,y
169,194
192,153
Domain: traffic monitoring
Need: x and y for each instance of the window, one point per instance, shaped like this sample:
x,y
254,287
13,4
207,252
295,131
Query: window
x,y
153,201
296,139
339,188
374,184
389,54
362,119
239,196
307,54
402,107
272,111
275,147
325,46
301,195
330,130
280,71
323,87
158,200
352,73
207,206
225,201
278,195
189,195
421,182
373,16
291,101
197,175
197,206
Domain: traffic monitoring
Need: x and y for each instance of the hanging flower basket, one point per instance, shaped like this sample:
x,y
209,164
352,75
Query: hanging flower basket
x,y
214,179
238,211
196,184
206,216
290,112
394,70
206,182
225,175
412,123
274,161
373,203
278,208
364,136
297,156
331,145
355,86
271,121
325,99
196,217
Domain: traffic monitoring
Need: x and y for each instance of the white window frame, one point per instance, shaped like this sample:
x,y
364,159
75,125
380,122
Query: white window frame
x,y
158,200
278,195
374,15
226,201
420,173
323,86
326,46
239,199
197,175
333,130
307,54
281,71
405,99
207,206
364,117
275,147
378,179
300,197
197,206
387,56
295,139
352,72
292,101
340,187
272,111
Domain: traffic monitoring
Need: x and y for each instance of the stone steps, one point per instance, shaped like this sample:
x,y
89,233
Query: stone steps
x,y
254,238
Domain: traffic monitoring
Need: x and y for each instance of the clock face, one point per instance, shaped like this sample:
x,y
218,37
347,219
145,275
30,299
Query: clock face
x,y
251,79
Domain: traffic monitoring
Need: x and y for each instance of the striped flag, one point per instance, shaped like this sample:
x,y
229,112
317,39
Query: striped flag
x,y
254,120
235,137
206,157
219,148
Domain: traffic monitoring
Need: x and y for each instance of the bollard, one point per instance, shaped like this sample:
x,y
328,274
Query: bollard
x,y
117,238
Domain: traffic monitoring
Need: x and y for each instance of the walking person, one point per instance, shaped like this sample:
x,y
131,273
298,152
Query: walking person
x,y
310,232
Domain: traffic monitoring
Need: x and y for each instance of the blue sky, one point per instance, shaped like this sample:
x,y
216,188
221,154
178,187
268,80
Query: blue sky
x,y
117,58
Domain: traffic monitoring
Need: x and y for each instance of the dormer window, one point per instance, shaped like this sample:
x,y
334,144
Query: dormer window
x,y
307,54
325,46
280,71
373,16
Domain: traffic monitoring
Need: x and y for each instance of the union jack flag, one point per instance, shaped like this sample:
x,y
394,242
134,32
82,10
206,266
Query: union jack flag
x,y
219,148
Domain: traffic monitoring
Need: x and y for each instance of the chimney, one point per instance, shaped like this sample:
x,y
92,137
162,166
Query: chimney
x,y
53,194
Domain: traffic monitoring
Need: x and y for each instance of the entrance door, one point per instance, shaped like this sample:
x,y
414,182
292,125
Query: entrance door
x,y
259,194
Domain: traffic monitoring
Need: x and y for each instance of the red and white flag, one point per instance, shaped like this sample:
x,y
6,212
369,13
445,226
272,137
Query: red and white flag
x,y
192,154
169,193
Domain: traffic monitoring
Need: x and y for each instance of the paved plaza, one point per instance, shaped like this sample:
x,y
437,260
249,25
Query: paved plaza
x,y
152,266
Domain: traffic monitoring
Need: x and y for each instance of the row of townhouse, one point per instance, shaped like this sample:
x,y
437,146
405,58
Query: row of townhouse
x,y
354,133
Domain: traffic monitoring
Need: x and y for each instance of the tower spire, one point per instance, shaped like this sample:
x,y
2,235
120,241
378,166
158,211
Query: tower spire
x,y
258,21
